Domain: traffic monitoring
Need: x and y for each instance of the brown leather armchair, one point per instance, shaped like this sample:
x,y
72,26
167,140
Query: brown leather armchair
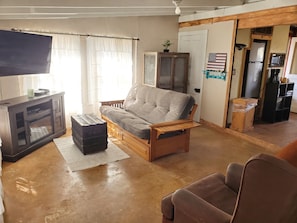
x,y
264,190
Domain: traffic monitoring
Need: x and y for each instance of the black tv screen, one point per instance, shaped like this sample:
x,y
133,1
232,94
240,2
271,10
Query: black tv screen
x,y
24,53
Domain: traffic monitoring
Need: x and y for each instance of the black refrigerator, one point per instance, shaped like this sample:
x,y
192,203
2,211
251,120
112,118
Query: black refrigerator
x,y
253,70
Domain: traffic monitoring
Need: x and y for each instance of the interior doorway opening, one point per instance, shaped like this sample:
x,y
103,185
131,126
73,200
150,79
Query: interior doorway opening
x,y
254,67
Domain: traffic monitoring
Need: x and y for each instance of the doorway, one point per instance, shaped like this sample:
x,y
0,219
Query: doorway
x,y
275,42
291,69
253,69
253,73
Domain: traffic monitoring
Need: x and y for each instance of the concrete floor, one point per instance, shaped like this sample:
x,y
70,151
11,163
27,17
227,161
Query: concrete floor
x,y
272,136
40,188
280,133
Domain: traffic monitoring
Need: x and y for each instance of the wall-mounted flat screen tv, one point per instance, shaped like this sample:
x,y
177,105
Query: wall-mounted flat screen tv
x,y
24,53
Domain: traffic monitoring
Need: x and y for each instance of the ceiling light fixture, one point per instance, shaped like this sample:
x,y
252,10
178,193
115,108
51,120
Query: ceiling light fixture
x,y
177,8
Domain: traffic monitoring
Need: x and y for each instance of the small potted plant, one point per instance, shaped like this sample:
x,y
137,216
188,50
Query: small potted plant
x,y
166,45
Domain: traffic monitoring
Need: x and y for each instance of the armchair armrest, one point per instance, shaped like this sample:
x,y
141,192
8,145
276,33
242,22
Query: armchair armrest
x,y
196,209
233,176
164,127
115,103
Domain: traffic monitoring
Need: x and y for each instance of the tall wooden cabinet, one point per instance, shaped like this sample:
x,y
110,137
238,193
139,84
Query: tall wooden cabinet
x,y
166,70
277,101
28,123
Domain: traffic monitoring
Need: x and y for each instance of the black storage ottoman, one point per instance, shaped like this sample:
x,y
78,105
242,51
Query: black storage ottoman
x,y
89,133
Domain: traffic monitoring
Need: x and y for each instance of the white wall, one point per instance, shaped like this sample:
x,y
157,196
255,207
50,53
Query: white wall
x,y
280,41
152,31
216,91
243,36
9,87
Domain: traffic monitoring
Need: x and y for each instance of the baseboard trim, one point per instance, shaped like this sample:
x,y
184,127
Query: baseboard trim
x,y
272,148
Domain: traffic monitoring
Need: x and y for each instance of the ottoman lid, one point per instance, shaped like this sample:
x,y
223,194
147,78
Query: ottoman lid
x,y
87,119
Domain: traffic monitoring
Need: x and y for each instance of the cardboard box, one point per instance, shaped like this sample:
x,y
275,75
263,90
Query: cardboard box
x,y
243,114
243,121
245,102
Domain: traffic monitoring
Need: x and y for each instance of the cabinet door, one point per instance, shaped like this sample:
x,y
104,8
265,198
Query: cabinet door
x,y
58,113
165,72
150,69
19,137
39,120
180,76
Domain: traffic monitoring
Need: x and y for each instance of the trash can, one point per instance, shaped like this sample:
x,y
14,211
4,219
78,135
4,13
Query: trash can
x,y
243,114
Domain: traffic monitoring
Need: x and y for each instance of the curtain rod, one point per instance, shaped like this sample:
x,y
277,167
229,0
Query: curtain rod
x,y
74,34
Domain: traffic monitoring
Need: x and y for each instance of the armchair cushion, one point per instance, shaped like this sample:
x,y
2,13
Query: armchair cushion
x,y
211,189
214,190
195,209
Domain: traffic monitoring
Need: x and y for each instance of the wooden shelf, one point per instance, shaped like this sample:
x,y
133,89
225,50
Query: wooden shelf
x,y
277,101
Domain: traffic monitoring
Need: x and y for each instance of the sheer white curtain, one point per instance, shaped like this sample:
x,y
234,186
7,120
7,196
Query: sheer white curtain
x,y
65,74
109,70
88,70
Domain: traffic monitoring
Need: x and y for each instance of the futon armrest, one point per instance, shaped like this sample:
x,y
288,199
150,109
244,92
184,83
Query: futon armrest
x,y
178,125
115,103
192,112
196,209
233,176
171,123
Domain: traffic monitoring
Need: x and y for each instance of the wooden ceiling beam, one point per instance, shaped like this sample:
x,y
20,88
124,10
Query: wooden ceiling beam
x,y
269,17
280,16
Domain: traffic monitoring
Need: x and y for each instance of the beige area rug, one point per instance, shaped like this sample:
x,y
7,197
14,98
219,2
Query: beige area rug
x,y
76,160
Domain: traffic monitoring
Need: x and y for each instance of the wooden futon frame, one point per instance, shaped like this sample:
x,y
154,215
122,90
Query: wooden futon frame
x,y
157,146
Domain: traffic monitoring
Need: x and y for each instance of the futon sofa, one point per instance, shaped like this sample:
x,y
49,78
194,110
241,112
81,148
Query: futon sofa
x,y
152,122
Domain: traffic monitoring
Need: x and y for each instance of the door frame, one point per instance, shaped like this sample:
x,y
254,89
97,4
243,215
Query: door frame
x,y
292,76
259,107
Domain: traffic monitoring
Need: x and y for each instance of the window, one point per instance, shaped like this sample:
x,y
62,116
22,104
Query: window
x,y
107,74
109,69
